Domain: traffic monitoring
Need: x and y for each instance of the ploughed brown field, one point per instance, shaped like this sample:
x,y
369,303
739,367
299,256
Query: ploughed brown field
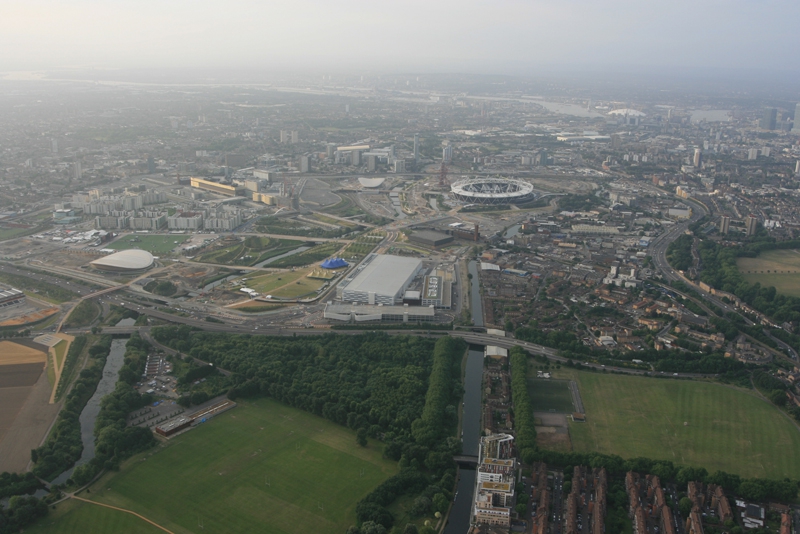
x,y
24,394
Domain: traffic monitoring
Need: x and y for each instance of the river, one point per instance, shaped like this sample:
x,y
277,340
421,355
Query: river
x,y
88,416
284,255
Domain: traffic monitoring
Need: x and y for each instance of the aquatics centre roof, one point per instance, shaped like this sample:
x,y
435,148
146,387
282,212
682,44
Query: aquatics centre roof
x,y
125,260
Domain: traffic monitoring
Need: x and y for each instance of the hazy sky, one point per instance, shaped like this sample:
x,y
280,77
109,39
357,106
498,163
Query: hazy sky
x,y
514,37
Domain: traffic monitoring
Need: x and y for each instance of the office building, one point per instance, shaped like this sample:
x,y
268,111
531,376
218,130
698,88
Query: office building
x,y
305,164
379,279
399,166
769,119
295,137
355,158
330,150
724,225
151,165
77,172
372,163
698,156
416,145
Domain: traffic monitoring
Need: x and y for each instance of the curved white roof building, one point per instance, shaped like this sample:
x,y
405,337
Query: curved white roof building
x,y
125,260
627,112
371,182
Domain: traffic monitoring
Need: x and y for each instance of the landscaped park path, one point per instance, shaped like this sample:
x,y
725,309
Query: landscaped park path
x,y
143,518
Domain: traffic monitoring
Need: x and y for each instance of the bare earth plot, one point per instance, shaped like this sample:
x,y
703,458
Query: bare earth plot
x,y
25,413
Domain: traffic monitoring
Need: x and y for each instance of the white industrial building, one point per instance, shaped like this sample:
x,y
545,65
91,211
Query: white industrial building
x,y
379,279
362,313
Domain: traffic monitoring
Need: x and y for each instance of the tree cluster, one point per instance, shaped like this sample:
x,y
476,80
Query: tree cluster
x,y
403,390
21,512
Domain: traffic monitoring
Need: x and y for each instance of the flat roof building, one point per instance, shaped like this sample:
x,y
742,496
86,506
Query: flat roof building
x,y
369,313
379,279
214,187
430,238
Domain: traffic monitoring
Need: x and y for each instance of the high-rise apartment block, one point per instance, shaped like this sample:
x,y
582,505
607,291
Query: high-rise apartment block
x,y
750,224
724,225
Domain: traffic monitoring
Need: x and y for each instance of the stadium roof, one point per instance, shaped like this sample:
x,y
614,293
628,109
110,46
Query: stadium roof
x,y
371,182
125,260
334,263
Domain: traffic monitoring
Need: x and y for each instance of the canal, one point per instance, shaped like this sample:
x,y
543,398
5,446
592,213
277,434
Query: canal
x,y
461,513
475,294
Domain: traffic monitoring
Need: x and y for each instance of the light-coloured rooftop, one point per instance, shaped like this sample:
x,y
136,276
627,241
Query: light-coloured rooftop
x,y
133,259
384,274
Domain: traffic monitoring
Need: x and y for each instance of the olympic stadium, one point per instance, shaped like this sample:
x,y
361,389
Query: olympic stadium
x,y
493,191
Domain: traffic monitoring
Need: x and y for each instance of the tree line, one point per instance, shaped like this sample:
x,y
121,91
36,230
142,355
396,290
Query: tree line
x,y
524,424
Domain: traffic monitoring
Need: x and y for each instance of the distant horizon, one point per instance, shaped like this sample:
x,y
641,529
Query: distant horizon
x,y
474,36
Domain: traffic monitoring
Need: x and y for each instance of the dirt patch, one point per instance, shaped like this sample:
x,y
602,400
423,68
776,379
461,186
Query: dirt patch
x,y
11,399
30,317
12,354
24,427
551,419
554,441
20,375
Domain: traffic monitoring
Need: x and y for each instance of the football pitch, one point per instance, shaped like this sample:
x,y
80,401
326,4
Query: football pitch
x,y
154,244
261,467
549,395
691,423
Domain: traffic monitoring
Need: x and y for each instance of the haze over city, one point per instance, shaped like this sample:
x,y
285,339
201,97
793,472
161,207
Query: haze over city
x,y
475,267
498,37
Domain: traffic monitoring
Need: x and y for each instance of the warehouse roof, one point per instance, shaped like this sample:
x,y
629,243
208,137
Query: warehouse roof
x,y
383,274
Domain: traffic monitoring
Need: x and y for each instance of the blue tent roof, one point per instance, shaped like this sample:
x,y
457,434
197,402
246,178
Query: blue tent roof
x,y
334,263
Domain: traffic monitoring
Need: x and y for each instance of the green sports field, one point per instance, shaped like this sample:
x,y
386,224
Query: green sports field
x,y
779,268
154,244
261,467
74,517
727,429
549,395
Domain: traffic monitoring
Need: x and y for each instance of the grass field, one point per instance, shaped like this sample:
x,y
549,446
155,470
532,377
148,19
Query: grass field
x,y
75,517
727,429
154,244
61,352
779,268
285,284
550,395
262,467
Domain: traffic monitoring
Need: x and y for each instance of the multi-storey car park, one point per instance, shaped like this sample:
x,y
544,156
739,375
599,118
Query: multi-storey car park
x,y
493,191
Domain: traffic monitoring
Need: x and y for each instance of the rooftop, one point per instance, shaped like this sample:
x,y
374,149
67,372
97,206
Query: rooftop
x,y
383,274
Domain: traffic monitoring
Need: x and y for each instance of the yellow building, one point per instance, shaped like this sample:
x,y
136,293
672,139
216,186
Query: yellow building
x,y
269,200
214,187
